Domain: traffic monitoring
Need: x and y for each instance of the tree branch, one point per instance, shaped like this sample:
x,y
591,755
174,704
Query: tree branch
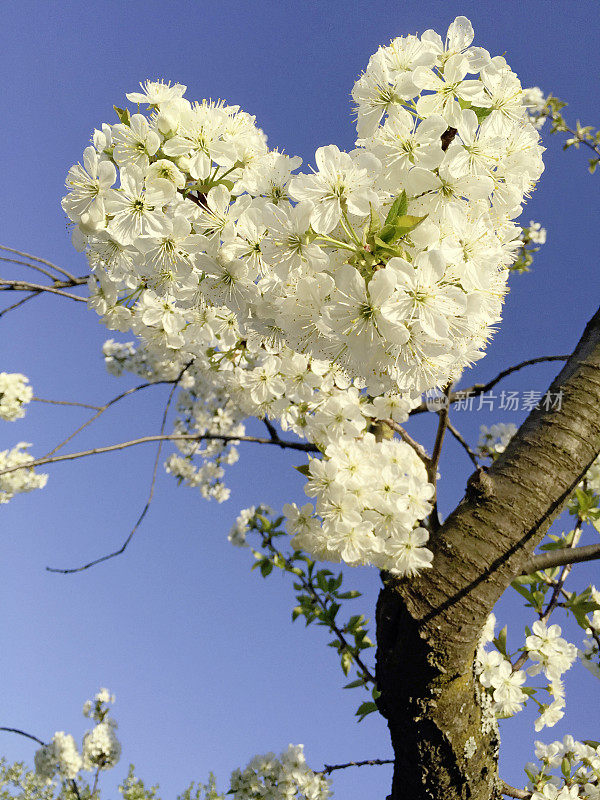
x,y
19,303
433,462
144,510
191,437
65,403
35,267
481,388
329,768
309,586
23,733
558,558
106,406
25,286
510,791
39,261
405,436
462,441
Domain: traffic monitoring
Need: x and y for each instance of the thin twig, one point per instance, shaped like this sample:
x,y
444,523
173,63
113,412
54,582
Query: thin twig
x,y
31,266
27,735
271,428
557,558
191,437
329,768
405,436
95,786
144,510
104,408
25,286
20,303
435,458
557,591
39,260
39,741
459,438
510,791
65,403
309,586
562,127
563,576
481,388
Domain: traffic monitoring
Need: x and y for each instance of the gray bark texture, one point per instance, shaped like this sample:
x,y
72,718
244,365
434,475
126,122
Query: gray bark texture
x,y
445,740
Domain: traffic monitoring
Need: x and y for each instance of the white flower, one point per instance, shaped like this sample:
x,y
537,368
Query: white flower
x,y
101,748
156,92
342,184
15,393
60,756
88,185
20,480
137,209
134,143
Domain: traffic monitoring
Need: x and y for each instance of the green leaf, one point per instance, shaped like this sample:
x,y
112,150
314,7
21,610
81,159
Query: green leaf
x,y
500,641
388,234
303,470
123,115
337,582
530,579
565,767
266,567
322,581
354,684
482,113
399,208
374,224
364,709
349,595
409,221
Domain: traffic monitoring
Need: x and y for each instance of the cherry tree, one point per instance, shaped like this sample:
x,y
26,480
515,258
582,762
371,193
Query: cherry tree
x,y
333,305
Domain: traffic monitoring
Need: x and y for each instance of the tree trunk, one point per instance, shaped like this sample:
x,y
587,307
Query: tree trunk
x,y
443,733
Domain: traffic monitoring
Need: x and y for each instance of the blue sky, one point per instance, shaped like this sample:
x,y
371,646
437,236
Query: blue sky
x,y
206,666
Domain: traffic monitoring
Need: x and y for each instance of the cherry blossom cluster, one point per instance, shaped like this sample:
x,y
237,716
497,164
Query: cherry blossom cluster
x,y
579,767
287,777
15,392
390,260
365,515
100,750
20,480
536,103
377,516
496,675
292,296
548,653
243,523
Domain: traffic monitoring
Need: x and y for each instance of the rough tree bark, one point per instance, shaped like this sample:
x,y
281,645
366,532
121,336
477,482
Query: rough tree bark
x,y
445,740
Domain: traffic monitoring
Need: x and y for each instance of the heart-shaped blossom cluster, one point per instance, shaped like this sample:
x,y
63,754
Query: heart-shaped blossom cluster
x,y
389,260
309,298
